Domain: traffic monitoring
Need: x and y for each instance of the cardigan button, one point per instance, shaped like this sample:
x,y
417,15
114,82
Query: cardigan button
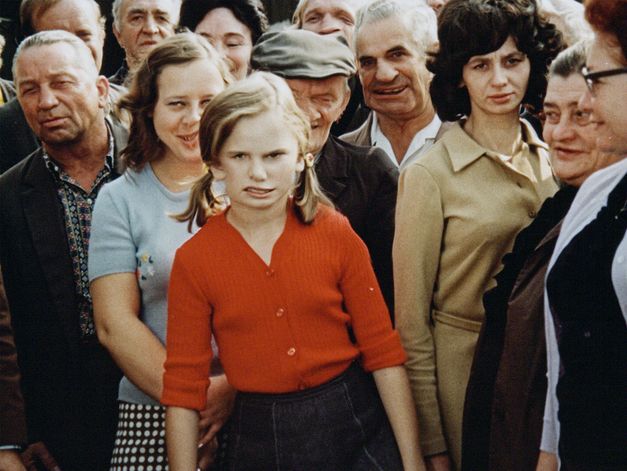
x,y
280,312
270,273
291,352
532,214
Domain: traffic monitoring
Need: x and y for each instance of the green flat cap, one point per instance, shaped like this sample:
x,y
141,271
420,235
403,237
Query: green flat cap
x,y
296,53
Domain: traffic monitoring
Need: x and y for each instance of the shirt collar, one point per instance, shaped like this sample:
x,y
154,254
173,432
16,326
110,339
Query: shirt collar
x,y
426,134
465,150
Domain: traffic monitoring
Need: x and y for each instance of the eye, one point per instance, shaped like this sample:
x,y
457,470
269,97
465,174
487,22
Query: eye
x,y
582,118
239,156
365,63
512,61
135,19
163,19
233,44
347,20
274,155
61,83
206,101
480,66
551,117
312,19
176,103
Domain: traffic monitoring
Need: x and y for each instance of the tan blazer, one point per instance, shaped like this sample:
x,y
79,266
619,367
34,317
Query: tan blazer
x,y
459,208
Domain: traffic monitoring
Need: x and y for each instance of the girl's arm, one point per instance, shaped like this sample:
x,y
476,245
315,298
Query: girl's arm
x,y
393,386
181,436
133,346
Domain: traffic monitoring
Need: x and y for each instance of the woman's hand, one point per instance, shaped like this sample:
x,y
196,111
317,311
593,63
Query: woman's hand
x,y
220,398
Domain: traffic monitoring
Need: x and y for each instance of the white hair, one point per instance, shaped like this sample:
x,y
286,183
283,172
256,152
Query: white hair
x,y
420,19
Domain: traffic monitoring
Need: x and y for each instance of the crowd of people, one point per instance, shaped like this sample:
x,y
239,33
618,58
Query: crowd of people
x,y
388,236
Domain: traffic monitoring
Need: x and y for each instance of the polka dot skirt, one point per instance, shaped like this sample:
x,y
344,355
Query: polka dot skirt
x,y
140,439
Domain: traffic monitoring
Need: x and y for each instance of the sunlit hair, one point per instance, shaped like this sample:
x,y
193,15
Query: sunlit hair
x,y
418,16
570,61
144,144
55,36
468,28
30,10
609,17
258,93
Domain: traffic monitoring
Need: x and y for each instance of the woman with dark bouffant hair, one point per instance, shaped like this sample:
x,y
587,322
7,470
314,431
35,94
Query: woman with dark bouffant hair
x,y
134,238
463,202
586,286
232,26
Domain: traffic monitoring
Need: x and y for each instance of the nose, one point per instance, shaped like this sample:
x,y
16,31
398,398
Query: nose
x,y
329,25
564,130
47,98
499,76
385,72
193,114
150,25
586,103
256,169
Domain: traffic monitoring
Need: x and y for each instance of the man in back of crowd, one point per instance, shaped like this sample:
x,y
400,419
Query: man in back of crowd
x,y
79,17
391,43
139,25
335,17
68,380
360,181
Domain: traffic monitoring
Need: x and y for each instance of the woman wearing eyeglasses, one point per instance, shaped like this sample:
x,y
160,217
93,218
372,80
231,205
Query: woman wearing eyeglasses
x,y
507,388
586,286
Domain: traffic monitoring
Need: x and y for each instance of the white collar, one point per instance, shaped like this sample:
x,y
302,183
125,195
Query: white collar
x,y
425,136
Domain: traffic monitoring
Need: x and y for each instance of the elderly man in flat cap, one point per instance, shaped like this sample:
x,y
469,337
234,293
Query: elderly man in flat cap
x,y
361,181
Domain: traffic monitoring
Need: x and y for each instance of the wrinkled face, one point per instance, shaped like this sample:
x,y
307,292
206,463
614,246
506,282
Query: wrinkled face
x,y
608,102
75,17
231,38
180,104
62,96
323,100
142,24
569,132
497,81
392,69
330,17
259,163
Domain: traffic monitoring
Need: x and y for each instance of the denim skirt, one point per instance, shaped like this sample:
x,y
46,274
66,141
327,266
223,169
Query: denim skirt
x,y
340,425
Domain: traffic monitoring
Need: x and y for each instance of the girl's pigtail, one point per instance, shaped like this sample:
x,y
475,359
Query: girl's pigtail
x,y
309,194
202,203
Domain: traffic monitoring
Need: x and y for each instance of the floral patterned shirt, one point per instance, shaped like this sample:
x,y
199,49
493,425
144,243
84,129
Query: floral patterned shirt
x,y
78,205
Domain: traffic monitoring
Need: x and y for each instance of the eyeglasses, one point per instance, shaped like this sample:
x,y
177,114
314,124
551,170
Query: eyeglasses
x,y
592,78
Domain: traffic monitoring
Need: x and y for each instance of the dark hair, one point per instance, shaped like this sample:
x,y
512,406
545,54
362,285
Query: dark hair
x,y
144,145
610,17
251,13
468,28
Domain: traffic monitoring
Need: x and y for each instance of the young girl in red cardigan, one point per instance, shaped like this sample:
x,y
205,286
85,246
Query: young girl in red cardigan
x,y
278,278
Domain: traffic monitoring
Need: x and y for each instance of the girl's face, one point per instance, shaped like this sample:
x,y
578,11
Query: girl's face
x,y
497,81
231,38
259,162
183,92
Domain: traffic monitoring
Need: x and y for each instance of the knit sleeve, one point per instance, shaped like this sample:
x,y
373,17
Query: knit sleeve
x,y
111,246
378,343
188,344
416,254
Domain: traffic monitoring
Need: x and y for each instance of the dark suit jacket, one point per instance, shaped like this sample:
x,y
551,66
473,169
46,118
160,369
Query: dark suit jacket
x,y
16,138
69,386
361,182
12,420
